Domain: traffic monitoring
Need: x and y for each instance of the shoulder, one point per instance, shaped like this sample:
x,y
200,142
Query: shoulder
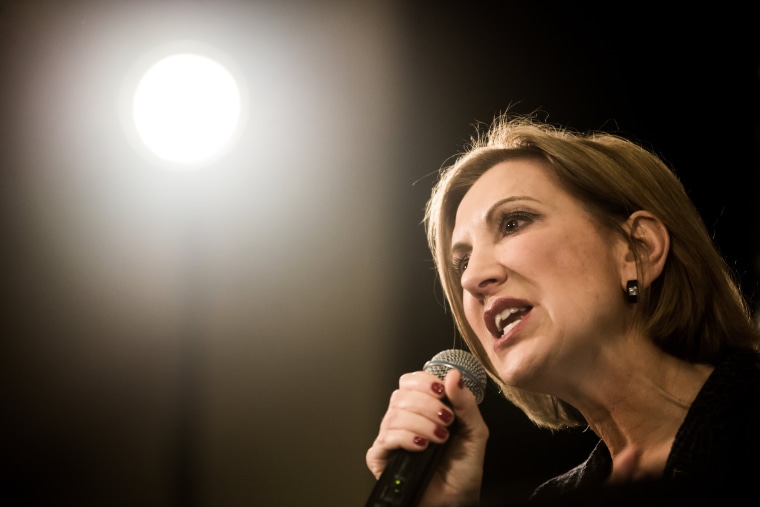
x,y
720,430
731,392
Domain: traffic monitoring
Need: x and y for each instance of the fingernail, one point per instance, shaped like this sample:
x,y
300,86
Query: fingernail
x,y
445,416
438,388
441,432
420,441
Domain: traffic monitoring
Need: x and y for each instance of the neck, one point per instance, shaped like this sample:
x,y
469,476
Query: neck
x,y
641,404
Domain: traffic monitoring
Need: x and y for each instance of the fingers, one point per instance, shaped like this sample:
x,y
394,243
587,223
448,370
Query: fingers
x,y
417,413
416,417
421,412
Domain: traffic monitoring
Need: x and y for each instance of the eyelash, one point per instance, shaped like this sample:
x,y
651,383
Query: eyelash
x,y
460,264
507,218
514,216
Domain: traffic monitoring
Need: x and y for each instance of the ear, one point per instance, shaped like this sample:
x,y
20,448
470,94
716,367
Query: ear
x,y
651,240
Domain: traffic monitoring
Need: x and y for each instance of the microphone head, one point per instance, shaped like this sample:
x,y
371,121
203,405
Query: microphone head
x,y
473,373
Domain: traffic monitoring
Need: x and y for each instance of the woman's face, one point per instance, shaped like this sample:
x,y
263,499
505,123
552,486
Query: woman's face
x,y
542,283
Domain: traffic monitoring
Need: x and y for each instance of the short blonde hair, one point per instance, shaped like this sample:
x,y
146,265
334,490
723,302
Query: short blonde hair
x,y
694,310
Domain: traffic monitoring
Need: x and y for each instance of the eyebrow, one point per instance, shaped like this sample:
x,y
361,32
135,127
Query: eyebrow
x,y
459,246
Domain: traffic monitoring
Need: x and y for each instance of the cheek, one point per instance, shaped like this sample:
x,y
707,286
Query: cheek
x,y
576,256
580,275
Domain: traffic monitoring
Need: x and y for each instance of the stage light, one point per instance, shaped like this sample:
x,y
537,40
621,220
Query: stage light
x,y
185,108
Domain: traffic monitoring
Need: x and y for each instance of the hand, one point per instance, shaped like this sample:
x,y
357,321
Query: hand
x,y
417,417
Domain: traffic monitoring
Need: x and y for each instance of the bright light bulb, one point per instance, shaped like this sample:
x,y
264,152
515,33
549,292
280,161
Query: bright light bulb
x,y
186,108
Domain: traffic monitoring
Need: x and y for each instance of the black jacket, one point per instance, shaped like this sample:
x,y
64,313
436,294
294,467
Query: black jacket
x,y
715,455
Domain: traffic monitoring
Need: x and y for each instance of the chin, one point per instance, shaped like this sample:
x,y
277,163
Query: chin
x,y
519,371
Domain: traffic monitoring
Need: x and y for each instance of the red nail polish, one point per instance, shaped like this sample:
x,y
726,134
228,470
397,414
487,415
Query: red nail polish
x,y
441,432
445,416
438,388
420,441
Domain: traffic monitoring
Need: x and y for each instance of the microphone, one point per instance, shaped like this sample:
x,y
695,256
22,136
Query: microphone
x,y
407,473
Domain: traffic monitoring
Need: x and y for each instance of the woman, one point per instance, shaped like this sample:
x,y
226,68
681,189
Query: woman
x,y
582,277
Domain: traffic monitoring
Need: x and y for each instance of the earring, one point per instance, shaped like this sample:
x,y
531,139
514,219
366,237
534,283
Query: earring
x,y
632,291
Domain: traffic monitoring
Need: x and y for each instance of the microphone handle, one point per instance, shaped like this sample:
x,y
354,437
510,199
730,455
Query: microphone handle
x,y
407,475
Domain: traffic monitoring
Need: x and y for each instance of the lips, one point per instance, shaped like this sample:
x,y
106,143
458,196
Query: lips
x,y
504,314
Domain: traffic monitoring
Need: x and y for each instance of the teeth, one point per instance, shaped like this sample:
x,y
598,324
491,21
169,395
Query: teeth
x,y
509,326
503,316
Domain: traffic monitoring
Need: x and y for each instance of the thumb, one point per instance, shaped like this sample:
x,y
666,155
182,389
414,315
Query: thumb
x,y
465,404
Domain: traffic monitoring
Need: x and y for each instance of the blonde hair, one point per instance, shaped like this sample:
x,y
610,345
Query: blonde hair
x,y
694,310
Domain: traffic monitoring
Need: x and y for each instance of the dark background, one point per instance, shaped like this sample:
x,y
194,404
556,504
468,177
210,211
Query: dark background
x,y
683,83
230,337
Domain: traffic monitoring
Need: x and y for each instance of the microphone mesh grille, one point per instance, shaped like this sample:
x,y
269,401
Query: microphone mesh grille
x,y
473,373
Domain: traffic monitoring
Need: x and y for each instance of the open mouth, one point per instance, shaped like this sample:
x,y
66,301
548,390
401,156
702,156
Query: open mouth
x,y
509,318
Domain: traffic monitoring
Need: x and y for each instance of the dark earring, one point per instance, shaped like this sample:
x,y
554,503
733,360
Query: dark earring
x,y
632,291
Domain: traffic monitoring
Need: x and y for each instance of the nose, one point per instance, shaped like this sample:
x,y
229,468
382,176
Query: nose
x,y
483,273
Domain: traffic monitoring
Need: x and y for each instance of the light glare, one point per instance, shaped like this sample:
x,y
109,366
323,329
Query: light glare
x,y
186,108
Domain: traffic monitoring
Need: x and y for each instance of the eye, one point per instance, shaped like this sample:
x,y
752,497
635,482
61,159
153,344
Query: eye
x,y
513,221
460,264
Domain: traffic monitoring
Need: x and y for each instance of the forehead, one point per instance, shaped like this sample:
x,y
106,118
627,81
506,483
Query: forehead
x,y
514,179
